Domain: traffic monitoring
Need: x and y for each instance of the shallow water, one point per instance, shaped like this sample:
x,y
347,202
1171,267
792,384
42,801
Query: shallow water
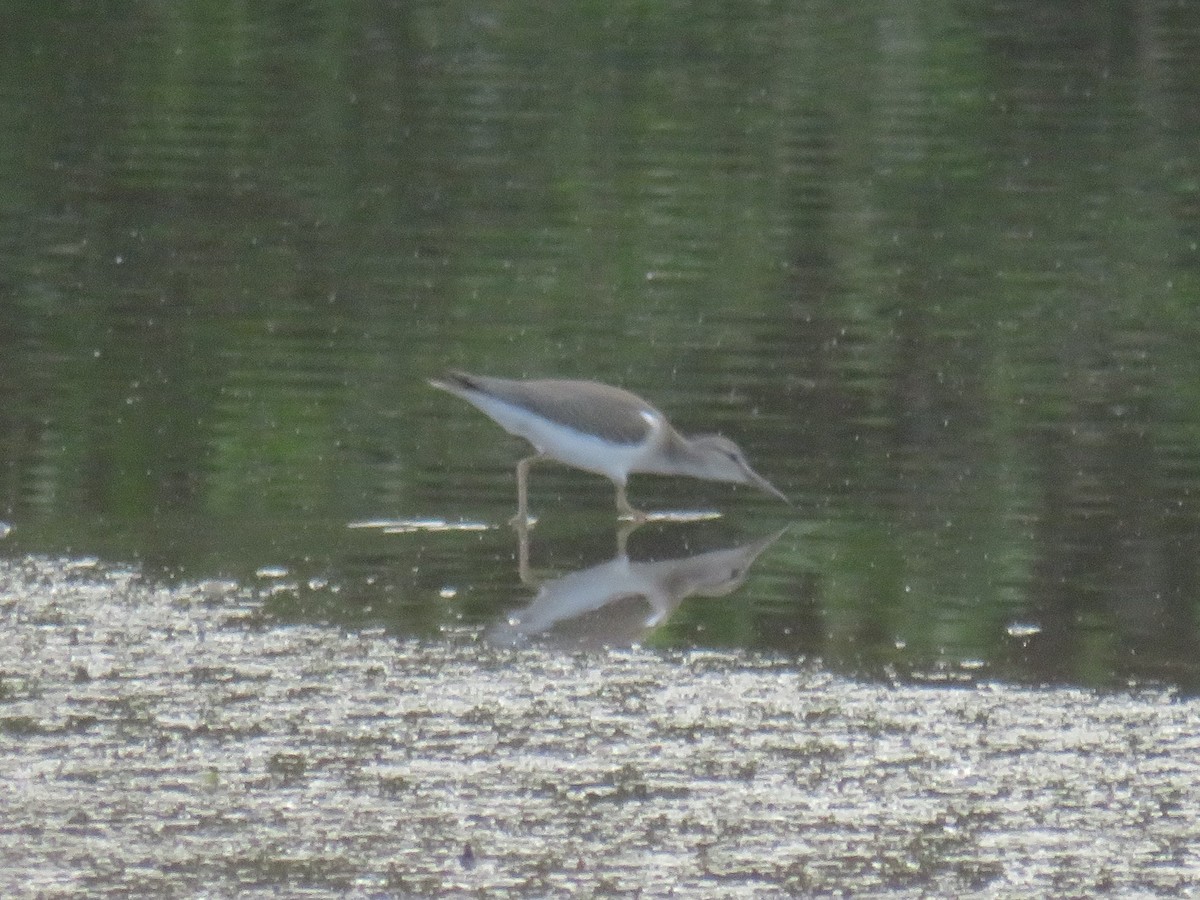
x,y
936,269
173,740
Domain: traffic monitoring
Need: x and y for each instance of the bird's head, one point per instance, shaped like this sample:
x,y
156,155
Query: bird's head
x,y
720,459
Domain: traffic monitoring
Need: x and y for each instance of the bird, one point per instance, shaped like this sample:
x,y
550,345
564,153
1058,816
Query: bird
x,y
598,428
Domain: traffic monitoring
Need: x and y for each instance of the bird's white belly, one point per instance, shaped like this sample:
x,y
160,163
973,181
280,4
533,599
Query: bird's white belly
x,y
589,453
573,448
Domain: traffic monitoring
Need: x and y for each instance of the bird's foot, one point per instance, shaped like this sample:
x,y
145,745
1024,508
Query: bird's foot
x,y
522,520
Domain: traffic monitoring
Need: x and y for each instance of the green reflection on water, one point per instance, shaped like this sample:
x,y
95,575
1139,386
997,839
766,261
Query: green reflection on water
x,y
936,269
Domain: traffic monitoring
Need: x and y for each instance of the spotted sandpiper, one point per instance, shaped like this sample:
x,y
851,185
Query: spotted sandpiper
x,y
601,429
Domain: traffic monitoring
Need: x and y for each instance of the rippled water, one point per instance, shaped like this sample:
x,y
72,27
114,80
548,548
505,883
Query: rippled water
x,y
174,740
937,270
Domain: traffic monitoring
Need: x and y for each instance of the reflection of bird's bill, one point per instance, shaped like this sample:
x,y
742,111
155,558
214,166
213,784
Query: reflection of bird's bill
x,y
737,562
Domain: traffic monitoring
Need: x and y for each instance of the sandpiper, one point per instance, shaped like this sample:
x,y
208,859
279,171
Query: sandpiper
x,y
601,429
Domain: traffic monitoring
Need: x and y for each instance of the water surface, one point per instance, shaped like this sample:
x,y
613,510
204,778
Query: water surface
x,y
174,741
934,267
936,272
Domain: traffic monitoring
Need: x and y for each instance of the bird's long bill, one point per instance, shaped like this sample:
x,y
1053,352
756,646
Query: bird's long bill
x,y
762,484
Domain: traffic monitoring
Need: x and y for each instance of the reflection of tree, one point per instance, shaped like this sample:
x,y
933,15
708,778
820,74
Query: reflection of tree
x,y
236,240
1114,583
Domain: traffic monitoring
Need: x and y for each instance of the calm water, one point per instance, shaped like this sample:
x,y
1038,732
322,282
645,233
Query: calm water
x,y
936,268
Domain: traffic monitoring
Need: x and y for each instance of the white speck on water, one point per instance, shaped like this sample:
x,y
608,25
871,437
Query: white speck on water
x,y
1023,629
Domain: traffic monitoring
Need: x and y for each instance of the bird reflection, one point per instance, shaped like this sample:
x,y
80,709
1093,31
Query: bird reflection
x,y
620,601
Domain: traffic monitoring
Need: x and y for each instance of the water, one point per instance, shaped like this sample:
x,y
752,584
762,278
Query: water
x,y
934,269
179,740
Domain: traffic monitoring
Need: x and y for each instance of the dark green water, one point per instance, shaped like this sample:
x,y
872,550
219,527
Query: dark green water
x,y
935,267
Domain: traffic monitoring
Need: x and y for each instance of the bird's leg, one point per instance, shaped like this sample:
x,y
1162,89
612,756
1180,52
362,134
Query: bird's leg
x,y
522,517
523,570
623,507
624,530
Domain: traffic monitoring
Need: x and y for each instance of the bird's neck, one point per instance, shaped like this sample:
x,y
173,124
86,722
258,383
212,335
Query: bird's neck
x,y
678,456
